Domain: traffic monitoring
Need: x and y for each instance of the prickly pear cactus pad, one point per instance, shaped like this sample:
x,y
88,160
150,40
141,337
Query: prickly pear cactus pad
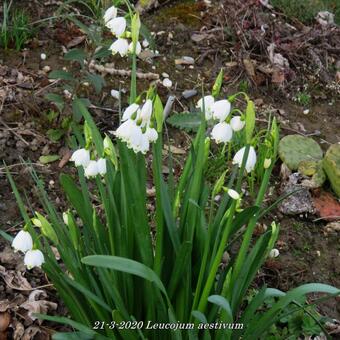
x,y
331,165
294,149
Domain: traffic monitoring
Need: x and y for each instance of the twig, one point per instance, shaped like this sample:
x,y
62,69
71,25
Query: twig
x,y
126,73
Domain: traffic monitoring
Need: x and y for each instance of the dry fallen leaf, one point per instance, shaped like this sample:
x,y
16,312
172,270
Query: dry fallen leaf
x,y
14,279
19,330
33,305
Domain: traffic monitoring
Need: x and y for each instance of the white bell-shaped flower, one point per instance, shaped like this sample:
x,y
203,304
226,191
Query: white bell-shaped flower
x,y
138,48
237,123
221,109
129,111
208,103
101,166
125,130
34,258
135,138
233,194
22,241
110,14
91,170
120,46
152,134
146,111
222,133
81,157
117,26
251,160
144,144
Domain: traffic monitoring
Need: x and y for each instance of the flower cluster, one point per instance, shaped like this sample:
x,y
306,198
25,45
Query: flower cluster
x,y
117,26
222,132
137,130
92,168
23,242
219,111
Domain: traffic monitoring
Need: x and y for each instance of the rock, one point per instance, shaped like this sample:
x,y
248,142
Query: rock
x,y
298,203
314,169
331,165
294,149
189,93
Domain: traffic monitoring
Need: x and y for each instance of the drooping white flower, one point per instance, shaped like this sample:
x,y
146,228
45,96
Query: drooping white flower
x,y
110,14
233,194
22,241
222,133
115,94
135,140
208,103
251,160
274,253
144,144
92,169
237,123
34,258
101,166
81,157
146,111
152,134
129,111
120,46
138,48
125,130
117,26
221,109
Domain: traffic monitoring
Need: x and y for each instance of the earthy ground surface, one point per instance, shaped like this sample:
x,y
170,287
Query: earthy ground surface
x,y
308,253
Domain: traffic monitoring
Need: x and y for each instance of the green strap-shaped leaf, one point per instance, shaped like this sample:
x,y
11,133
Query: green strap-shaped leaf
x,y
125,265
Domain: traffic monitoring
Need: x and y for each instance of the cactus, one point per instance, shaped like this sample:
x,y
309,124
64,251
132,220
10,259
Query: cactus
x,y
308,168
314,169
331,165
294,149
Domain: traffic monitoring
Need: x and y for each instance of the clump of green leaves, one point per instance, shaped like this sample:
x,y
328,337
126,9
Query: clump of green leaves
x,y
15,28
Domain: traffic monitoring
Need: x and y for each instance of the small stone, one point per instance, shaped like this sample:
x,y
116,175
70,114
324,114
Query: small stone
x,y
46,69
189,93
43,56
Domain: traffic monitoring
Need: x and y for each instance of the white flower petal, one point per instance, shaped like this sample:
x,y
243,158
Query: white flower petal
x,y
110,14
251,161
151,134
22,241
233,194
101,166
146,111
81,157
120,46
117,26
222,133
237,123
34,258
221,109
129,111
138,48
92,169
208,102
